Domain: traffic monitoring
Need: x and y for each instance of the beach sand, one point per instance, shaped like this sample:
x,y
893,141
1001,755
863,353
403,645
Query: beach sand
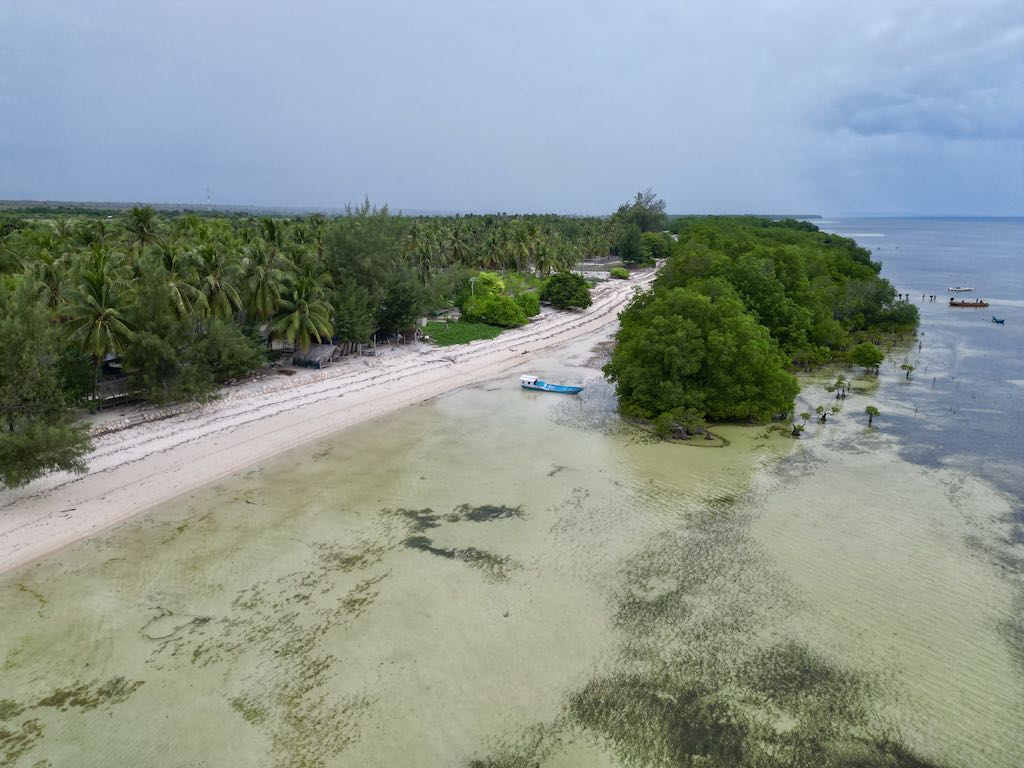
x,y
143,458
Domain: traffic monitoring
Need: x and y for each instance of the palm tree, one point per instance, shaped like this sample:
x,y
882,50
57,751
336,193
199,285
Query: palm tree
x,y
95,317
51,272
304,316
420,249
460,244
871,411
181,278
218,281
265,274
141,223
544,258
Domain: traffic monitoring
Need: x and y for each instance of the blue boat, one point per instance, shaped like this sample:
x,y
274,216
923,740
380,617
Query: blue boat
x,y
532,382
998,320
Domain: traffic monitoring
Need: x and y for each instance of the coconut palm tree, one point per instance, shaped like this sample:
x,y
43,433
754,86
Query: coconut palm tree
x,y
459,244
180,277
219,277
304,317
265,274
141,223
95,316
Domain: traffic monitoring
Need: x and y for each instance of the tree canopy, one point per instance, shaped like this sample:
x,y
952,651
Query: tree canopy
x,y
567,290
739,302
682,351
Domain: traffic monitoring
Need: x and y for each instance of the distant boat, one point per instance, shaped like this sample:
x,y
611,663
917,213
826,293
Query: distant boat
x,y
959,289
532,382
998,320
965,303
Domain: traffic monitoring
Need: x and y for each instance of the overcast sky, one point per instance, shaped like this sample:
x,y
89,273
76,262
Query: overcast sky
x,y
805,106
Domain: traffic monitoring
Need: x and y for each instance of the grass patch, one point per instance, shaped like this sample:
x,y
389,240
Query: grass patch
x,y
460,332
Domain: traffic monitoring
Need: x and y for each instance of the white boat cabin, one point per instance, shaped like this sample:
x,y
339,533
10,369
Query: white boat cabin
x,y
528,380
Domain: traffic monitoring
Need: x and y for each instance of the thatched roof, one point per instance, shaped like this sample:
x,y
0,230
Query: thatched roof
x,y
316,356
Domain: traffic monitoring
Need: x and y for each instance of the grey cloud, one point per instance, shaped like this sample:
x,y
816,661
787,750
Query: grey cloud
x,y
903,105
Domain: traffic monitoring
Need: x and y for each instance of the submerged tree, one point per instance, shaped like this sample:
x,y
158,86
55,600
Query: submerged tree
x,y
908,368
871,411
867,356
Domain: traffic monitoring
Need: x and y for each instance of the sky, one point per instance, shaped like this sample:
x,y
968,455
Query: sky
x,y
901,107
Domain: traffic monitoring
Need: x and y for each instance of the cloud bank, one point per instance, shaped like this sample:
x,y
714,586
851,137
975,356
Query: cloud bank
x,y
905,106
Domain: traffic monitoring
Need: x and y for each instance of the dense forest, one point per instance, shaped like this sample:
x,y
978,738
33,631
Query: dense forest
x,y
171,305
739,304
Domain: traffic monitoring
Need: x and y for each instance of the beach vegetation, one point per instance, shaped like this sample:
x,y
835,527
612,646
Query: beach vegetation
x,y
460,332
567,290
37,431
678,349
163,306
620,273
763,296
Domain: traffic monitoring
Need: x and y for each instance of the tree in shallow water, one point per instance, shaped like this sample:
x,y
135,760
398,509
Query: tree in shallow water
x,y
680,350
871,411
867,356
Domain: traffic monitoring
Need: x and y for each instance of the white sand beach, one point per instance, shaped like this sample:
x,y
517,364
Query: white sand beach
x,y
143,458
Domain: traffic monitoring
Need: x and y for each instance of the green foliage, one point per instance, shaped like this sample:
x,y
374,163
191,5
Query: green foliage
x,y
872,411
494,309
678,349
529,302
646,211
867,356
620,273
628,245
36,433
353,318
567,290
655,246
461,332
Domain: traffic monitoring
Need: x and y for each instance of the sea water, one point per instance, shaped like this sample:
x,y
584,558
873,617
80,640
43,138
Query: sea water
x,y
505,578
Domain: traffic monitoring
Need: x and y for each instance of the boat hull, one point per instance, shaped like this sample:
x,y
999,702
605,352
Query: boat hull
x,y
968,304
543,386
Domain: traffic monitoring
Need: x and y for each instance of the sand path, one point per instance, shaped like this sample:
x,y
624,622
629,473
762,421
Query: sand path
x,y
136,467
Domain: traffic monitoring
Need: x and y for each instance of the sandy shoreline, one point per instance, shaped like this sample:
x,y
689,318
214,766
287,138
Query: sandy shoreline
x,y
134,468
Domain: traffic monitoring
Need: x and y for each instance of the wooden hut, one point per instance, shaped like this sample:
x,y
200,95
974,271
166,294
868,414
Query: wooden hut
x,y
316,356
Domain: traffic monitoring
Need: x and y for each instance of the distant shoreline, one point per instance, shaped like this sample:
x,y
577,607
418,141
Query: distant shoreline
x,y
305,210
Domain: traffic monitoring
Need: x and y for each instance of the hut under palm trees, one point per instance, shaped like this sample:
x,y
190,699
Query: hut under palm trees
x,y
316,356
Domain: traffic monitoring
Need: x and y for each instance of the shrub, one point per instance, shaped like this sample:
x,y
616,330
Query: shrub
x,y
620,272
567,290
494,309
529,302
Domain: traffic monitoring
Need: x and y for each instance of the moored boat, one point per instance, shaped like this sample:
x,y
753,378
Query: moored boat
x,y
959,289
532,382
968,303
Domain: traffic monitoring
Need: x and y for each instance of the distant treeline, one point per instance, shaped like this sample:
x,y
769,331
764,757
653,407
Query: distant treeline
x,y
740,302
